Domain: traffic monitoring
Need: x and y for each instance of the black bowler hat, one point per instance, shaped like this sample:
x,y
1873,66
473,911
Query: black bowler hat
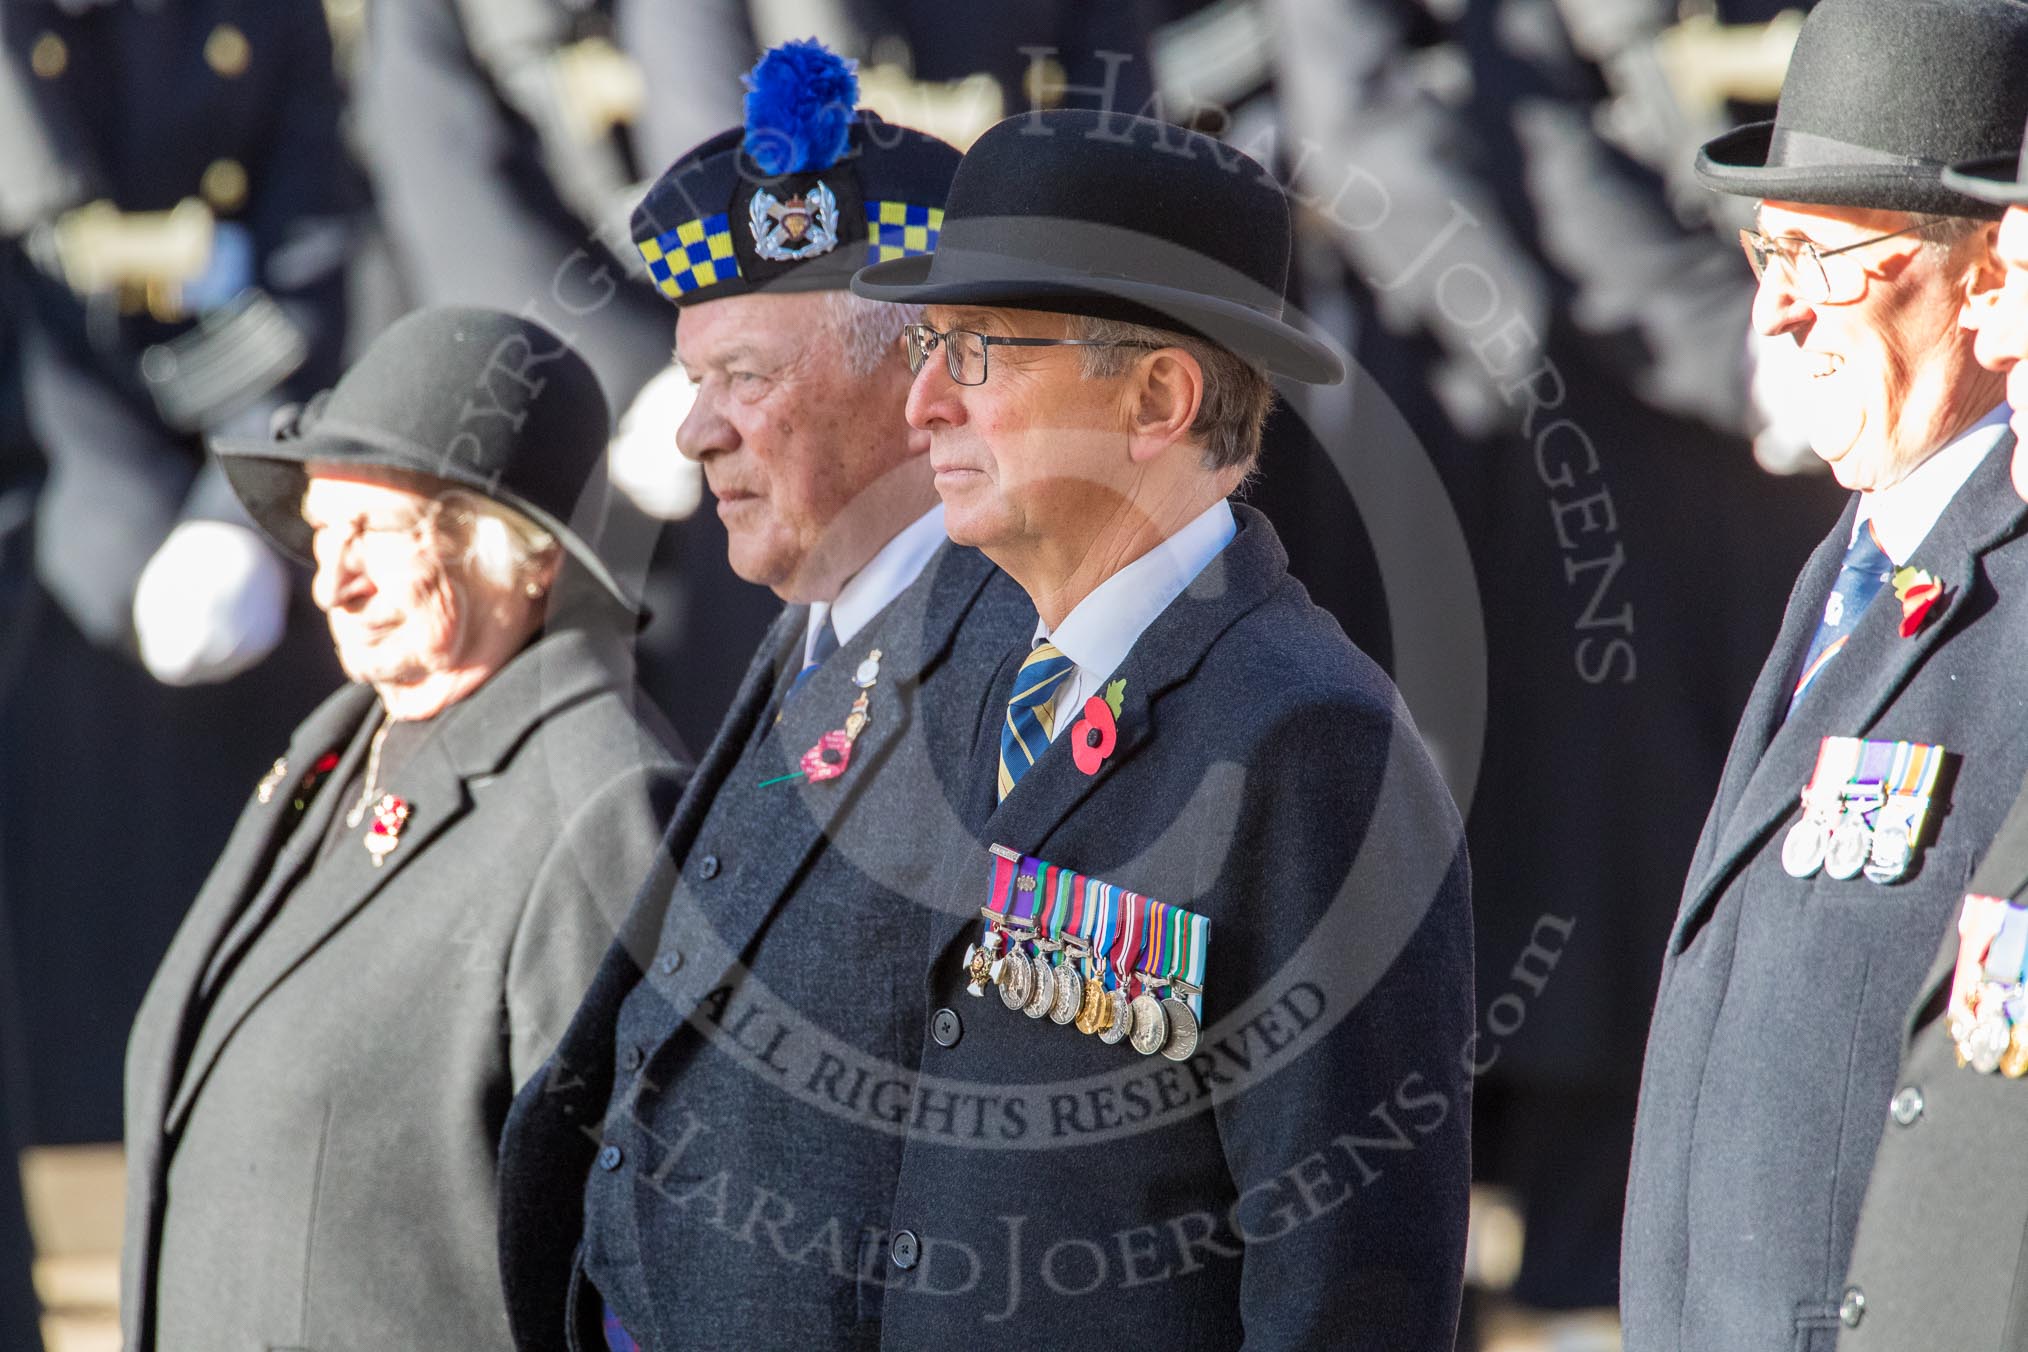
x,y
1880,96
810,189
1092,213
481,400
1999,179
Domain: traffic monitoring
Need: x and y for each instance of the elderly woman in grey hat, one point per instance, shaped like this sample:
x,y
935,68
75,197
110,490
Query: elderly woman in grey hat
x,y
418,891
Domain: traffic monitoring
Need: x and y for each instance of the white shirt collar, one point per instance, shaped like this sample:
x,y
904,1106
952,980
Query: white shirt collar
x,y
886,575
1100,631
1903,514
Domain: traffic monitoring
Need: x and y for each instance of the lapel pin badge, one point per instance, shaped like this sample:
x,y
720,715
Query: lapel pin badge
x,y
390,815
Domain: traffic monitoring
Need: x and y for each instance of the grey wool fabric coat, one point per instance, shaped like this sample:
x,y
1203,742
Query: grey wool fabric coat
x,y
688,1155
318,1076
1778,1028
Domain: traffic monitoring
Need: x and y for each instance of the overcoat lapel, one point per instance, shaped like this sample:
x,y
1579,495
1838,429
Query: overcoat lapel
x,y
265,837
1855,689
1239,578
912,634
1769,699
477,736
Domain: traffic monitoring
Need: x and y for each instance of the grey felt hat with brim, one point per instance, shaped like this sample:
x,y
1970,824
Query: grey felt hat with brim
x,y
475,399
1880,98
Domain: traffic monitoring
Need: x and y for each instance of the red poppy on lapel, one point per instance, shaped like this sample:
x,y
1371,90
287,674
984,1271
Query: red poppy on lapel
x,y
390,814
1093,737
828,758
1918,593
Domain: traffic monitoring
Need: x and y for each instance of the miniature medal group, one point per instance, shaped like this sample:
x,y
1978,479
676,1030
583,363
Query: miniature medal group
x,y
1988,1016
1114,964
1864,810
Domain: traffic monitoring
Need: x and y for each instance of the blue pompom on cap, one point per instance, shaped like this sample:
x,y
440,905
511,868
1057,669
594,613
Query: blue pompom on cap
x,y
799,107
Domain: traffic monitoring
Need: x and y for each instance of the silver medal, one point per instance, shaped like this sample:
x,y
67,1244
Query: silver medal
x,y
1151,1025
1120,1018
1803,848
1015,977
1850,843
1068,995
1182,1041
1891,855
1988,1041
1043,998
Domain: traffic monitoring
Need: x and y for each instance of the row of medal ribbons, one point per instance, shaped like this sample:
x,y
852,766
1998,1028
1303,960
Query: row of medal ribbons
x,y
1864,809
1988,1005
1114,964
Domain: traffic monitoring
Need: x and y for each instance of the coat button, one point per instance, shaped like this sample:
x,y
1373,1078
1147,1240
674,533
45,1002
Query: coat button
x,y
227,51
1907,1106
707,867
49,57
946,1027
609,1158
669,962
631,1058
906,1250
1853,1308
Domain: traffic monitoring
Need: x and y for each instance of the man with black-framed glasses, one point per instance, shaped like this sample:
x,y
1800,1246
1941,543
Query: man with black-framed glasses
x,y
1218,995
1882,741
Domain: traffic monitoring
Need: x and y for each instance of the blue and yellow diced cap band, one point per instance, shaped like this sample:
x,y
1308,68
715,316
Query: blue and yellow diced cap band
x,y
900,230
803,131
695,254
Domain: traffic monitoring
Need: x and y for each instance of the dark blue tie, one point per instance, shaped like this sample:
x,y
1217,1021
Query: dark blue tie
x,y
826,643
1865,570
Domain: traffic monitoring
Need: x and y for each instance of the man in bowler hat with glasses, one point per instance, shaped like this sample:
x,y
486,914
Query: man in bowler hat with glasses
x,y
1215,1004
1882,739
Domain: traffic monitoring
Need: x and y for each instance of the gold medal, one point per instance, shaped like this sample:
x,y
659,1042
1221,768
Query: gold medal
x,y
2014,1061
1091,1010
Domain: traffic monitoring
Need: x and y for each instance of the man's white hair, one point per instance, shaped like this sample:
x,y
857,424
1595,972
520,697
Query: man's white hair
x,y
868,332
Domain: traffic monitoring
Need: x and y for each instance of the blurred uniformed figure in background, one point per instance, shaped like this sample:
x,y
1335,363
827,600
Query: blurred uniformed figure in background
x,y
175,204
505,141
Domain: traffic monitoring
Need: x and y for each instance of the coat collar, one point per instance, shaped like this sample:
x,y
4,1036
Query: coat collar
x,y
1772,756
911,635
910,731
476,738
1238,578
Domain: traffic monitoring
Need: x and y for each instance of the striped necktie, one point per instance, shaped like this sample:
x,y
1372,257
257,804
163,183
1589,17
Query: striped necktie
x,y
1031,713
1865,570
